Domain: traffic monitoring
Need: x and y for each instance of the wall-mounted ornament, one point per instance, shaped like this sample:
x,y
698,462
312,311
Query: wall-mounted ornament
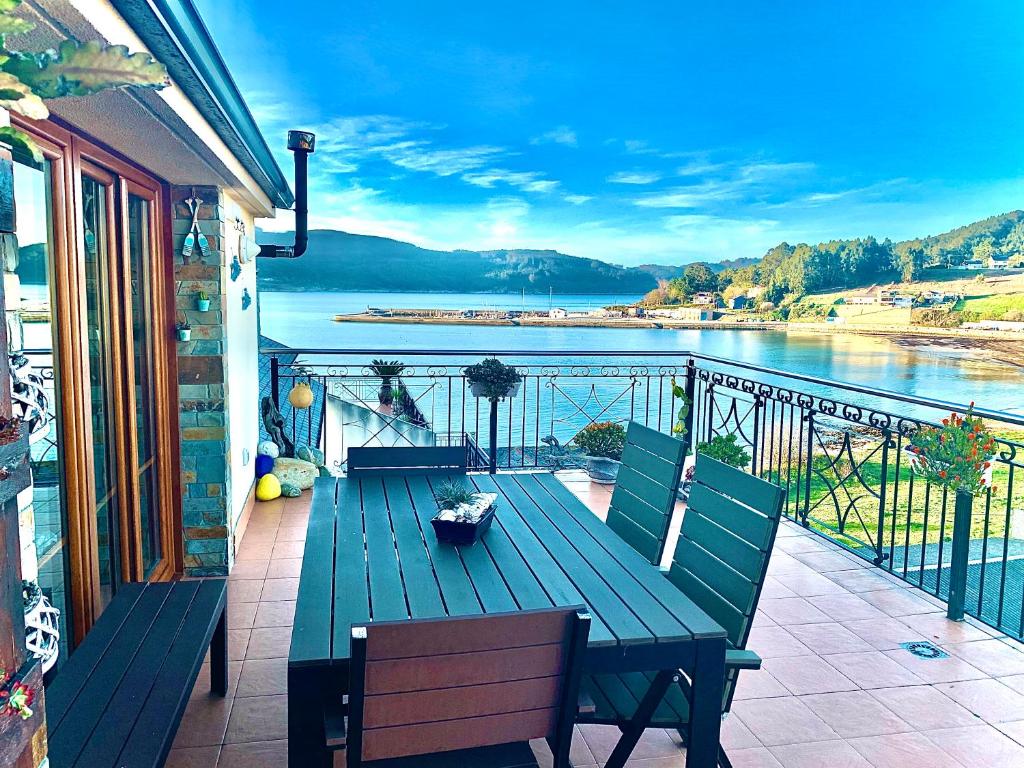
x,y
236,268
250,249
194,237
246,299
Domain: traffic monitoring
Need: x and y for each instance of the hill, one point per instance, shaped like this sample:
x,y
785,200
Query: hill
x,y
340,261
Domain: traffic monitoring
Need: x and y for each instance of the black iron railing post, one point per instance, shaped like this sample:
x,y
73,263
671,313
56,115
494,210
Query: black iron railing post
x,y
493,448
808,468
959,555
755,454
275,381
691,395
880,556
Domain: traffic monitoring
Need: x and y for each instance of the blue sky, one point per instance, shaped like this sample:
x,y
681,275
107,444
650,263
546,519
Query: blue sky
x,y
644,131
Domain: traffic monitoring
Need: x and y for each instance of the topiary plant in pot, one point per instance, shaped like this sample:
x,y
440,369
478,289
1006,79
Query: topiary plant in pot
x,y
725,449
602,442
493,379
387,370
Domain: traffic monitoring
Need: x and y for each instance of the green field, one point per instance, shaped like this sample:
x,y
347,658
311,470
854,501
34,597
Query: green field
x,y
995,306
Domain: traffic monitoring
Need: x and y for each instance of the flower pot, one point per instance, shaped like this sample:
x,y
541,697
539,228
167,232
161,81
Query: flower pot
x,y
479,389
203,305
603,470
462,533
184,334
915,465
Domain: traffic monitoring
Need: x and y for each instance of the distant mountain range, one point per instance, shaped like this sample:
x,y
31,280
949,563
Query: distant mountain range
x,y
341,261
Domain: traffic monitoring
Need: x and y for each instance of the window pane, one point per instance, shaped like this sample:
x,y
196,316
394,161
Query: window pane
x,y
33,337
98,288
139,262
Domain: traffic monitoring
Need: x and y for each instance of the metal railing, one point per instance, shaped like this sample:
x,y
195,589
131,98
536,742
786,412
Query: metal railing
x,y
838,449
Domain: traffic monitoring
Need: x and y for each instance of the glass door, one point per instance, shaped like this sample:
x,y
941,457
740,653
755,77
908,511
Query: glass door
x,y
101,281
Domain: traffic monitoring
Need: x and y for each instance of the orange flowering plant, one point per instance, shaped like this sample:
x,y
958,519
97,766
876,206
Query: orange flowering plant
x,y
957,455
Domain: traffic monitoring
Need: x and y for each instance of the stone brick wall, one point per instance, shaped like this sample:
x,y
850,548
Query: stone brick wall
x,y
202,377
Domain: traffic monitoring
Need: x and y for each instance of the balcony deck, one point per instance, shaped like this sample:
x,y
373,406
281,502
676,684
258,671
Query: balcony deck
x,y
837,689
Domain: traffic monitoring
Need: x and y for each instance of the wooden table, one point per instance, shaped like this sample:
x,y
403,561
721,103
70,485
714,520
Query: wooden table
x,y
544,549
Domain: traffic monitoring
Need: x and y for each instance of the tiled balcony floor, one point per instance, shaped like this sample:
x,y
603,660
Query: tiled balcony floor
x,y
836,691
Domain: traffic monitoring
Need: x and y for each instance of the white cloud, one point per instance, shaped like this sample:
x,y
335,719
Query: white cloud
x,y
693,196
528,181
762,171
578,199
563,134
634,177
422,156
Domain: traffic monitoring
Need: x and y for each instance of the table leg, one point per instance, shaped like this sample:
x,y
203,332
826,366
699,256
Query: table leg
x,y
634,729
707,684
307,742
219,655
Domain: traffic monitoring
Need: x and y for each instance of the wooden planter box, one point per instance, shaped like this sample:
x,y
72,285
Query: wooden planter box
x,y
460,533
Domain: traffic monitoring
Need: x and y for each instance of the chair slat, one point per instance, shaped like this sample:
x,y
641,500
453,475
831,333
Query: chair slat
x,y
750,525
745,488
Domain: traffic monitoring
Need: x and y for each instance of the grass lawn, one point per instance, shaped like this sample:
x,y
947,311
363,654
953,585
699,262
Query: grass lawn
x,y
993,307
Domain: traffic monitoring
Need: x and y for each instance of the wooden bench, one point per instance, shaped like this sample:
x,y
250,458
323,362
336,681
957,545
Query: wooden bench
x,y
120,698
435,460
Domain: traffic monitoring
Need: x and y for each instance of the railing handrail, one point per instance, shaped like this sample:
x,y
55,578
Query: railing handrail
x,y
986,413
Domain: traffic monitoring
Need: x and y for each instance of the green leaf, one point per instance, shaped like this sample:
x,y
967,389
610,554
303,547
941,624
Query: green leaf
x,y
17,140
18,97
80,69
12,25
6,6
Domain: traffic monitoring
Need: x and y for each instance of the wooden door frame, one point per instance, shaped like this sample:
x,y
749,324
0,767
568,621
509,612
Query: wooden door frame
x,y
71,153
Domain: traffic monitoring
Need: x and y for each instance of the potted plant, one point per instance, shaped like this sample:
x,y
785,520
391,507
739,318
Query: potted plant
x,y
493,379
602,444
387,370
463,516
202,301
184,330
725,449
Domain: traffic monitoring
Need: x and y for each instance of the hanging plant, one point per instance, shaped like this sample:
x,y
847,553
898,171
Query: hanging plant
x,y
493,379
957,455
17,698
28,78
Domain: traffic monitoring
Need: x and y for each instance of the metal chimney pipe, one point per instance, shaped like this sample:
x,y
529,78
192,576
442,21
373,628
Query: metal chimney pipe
x,y
302,144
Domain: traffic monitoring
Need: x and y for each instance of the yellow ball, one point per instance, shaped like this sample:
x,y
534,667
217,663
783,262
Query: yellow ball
x,y
301,395
268,488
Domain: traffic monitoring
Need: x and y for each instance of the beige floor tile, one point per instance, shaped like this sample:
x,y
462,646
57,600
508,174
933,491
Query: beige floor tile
x,y
899,602
829,561
258,718
1014,730
250,569
241,615
758,684
204,722
924,707
792,610
782,721
291,533
937,628
244,590
774,642
238,641
263,677
828,638
821,754
988,699
201,690
259,754
855,713
269,643
284,568
903,750
279,589
287,549
872,669
193,757
948,670
601,740
808,674
993,657
846,608
812,584
862,581
279,613
1014,681
884,634
759,757
980,746
253,551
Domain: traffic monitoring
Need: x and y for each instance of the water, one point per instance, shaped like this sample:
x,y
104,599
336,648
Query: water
x,y
922,369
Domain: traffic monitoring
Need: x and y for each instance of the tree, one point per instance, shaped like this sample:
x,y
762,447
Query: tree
x,y
910,259
698,278
983,250
74,69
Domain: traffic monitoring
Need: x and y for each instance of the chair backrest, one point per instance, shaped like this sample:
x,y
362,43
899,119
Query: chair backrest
x,y
645,490
437,685
726,540
428,460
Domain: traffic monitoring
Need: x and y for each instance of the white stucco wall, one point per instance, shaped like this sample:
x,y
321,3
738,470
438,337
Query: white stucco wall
x,y
242,348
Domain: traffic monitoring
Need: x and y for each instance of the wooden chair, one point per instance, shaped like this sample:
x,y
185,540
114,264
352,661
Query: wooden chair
x,y
476,689
720,563
645,490
432,460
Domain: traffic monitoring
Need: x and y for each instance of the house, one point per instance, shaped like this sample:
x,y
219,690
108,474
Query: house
x,y
558,313
869,296
738,302
973,264
999,261
148,469
705,299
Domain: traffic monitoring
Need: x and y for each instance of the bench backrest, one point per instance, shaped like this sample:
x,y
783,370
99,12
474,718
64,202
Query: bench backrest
x,y
645,490
726,540
437,685
429,460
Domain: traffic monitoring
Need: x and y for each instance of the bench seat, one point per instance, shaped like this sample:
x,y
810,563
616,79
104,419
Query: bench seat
x,y
118,701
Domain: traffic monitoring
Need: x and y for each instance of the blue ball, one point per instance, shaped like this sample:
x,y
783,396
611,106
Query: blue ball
x,y
264,465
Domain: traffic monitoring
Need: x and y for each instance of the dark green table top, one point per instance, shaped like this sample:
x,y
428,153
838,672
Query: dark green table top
x,y
371,554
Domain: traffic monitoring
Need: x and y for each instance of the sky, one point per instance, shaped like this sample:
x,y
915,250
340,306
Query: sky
x,y
639,132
